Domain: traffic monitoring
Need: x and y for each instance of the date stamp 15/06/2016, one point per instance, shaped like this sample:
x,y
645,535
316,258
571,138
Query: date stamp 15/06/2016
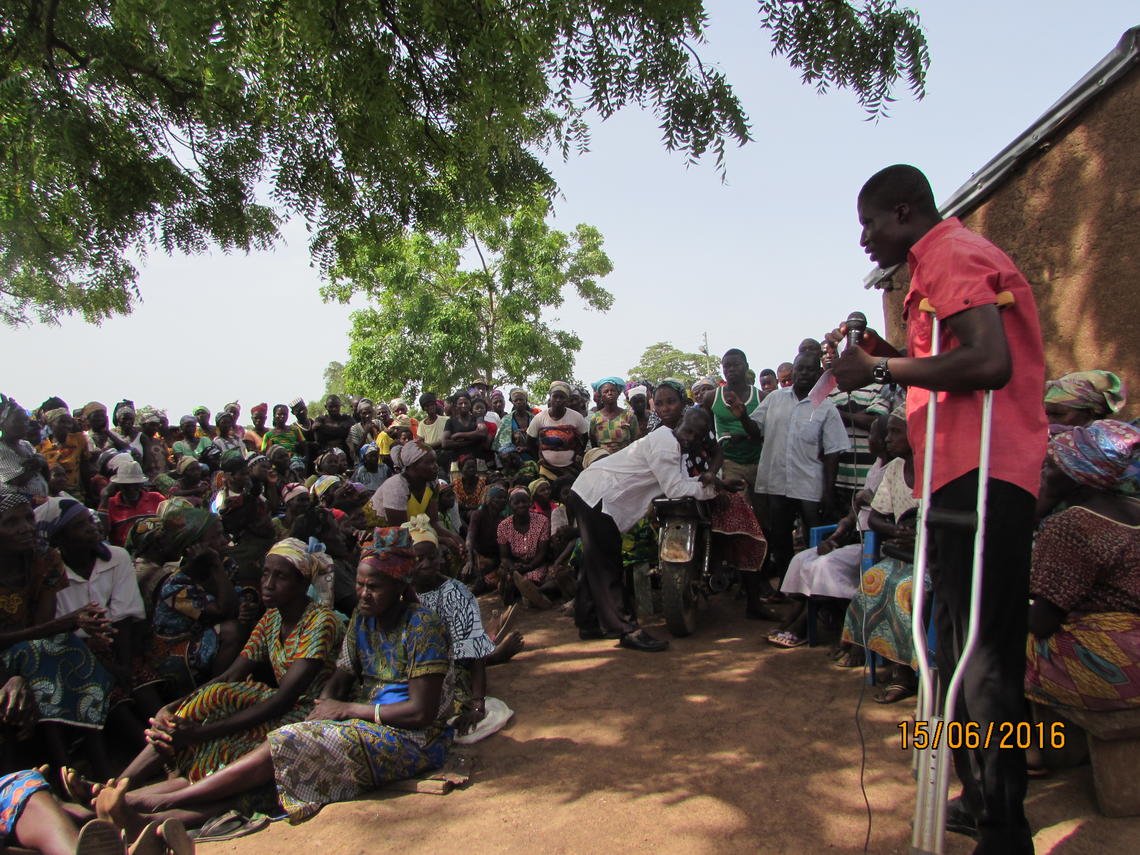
x,y
971,734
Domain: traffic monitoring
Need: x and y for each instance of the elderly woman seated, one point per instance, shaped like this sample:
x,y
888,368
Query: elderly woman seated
x,y
879,617
1084,623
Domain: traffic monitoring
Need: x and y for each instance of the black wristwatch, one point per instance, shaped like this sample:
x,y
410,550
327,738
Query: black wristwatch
x,y
881,373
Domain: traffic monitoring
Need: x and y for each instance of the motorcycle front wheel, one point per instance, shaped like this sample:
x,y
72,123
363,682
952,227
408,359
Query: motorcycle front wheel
x,y
679,596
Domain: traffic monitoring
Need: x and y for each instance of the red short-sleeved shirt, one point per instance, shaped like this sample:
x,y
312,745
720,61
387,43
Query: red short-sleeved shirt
x,y
956,270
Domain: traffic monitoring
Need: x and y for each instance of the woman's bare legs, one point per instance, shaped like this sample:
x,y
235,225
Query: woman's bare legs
x,y
252,770
45,826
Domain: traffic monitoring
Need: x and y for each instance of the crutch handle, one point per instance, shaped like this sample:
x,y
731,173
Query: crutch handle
x,y
1004,300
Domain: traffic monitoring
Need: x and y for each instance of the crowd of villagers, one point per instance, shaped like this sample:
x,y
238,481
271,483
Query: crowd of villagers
x,y
273,616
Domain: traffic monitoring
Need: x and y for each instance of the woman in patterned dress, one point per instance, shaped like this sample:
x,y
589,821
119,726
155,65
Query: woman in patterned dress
x,y
381,717
1084,624
611,427
524,541
231,715
457,606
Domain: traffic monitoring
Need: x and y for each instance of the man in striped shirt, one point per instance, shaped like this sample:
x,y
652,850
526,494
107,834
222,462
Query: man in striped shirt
x,y
858,409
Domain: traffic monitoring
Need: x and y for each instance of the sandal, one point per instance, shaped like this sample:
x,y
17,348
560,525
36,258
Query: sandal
x,y
229,826
895,692
851,658
786,640
99,837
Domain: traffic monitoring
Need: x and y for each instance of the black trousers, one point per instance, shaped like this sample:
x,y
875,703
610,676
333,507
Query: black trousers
x,y
599,601
782,513
993,779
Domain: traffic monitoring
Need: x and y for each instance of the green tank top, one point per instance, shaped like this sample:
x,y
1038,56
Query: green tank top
x,y
740,449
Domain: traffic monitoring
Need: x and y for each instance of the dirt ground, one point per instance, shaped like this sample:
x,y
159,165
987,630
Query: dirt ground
x,y
722,744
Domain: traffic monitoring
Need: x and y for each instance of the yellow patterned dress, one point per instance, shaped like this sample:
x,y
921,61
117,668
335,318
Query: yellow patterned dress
x,y
317,636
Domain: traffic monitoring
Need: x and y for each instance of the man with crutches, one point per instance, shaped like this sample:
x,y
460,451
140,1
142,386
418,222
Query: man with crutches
x,y
960,279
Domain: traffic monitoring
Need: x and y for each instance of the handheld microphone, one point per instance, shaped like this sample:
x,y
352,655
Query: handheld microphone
x,y
856,325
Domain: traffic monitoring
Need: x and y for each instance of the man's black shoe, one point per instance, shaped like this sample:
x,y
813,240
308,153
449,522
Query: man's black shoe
x,y
642,640
595,634
959,819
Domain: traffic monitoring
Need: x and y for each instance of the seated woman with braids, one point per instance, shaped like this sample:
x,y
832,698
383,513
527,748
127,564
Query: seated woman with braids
x,y
382,716
232,714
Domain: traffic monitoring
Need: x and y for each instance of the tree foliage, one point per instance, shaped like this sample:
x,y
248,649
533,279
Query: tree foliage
x,y
129,126
446,309
662,360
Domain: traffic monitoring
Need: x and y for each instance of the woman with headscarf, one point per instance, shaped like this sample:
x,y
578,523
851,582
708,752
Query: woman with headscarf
x,y
399,408
1084,396
489,422
99,435
524,541
196,629
638,394
226,439
557,435
413,491
66,446
611,427
381,717
878,618
99,573
511,435
370,471
232,715
254,435
123,419
51,674
457,606
21,467
481,568
192,444
1084,643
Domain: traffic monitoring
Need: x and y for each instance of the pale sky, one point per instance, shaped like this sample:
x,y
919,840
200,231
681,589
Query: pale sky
x,y
758,262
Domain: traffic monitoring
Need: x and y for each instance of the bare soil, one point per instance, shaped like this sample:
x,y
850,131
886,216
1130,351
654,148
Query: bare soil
x,y
721,744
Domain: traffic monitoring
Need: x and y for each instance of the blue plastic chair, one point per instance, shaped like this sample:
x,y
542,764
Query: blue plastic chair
x,y
816,536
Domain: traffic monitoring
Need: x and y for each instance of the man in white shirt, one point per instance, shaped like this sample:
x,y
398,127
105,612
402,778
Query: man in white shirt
x,y
800,460
607,499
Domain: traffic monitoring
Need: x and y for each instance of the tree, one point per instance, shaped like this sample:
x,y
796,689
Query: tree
x,y
126,127
662,360
448,308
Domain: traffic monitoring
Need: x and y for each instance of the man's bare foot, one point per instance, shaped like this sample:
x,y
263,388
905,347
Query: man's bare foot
x,y
507,649
111,804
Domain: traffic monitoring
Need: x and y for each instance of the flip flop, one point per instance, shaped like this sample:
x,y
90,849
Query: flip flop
x,y
893,693
785,640
99,837
229,826
64,773
850,659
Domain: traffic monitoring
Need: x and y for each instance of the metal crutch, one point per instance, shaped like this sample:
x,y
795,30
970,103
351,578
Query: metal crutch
x,y
932,763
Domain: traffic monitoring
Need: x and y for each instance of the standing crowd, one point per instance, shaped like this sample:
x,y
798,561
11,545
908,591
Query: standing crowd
x,y
277,615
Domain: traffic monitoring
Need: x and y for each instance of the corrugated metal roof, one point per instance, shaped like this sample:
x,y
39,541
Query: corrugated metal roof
x,y
1037,138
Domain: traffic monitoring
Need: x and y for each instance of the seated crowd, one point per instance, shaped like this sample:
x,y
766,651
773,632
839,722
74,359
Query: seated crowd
x,y
275,616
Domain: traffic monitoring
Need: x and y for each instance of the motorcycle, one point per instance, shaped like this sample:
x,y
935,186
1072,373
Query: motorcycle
x,y
687,572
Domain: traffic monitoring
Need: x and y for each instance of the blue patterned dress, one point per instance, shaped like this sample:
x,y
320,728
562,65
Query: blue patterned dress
x,y
319,762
